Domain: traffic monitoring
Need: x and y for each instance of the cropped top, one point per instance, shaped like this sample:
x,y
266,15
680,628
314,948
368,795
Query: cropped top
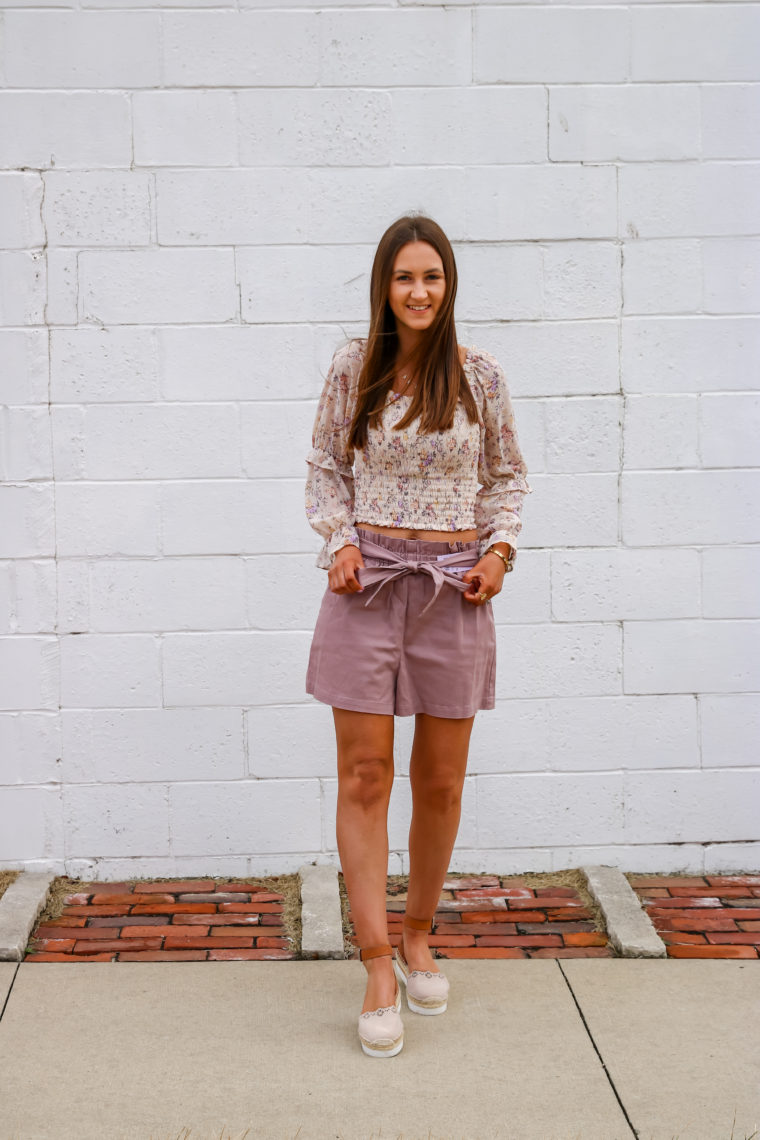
x,y
469,477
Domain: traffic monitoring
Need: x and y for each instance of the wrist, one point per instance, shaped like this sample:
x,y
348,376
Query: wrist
x,y
345,546
505,552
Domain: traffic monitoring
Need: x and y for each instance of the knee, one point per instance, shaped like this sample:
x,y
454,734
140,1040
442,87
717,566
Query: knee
x,y
367,779
442,796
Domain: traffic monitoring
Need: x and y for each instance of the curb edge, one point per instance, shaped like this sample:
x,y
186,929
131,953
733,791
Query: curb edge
x,y
321,917
629,928
20,905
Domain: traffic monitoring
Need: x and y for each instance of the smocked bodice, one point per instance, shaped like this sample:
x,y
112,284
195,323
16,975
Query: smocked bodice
x,y
469,477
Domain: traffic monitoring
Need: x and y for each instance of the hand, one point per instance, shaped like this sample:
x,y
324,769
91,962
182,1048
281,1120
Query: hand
x,y
486,577
342,577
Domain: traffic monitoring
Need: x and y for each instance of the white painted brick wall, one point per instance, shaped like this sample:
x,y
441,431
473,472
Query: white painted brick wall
x,y
189,204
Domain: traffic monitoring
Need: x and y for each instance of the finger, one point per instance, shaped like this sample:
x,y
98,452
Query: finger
x,y
352,582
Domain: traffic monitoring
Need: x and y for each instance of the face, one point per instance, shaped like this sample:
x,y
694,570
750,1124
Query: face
x,y
418,286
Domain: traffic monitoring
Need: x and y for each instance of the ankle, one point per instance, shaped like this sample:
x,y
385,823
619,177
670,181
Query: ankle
x,y
415,938
377,967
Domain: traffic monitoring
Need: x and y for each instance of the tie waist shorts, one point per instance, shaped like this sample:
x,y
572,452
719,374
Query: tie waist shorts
x,y
408,642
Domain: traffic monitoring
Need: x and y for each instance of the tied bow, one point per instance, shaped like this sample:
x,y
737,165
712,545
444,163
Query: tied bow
x,y
368,575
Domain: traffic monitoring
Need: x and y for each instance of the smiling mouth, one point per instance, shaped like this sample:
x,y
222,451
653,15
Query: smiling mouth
x,y
418,308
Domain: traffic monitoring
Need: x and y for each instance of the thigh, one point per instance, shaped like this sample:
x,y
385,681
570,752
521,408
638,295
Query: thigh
x,y
363,738
440,749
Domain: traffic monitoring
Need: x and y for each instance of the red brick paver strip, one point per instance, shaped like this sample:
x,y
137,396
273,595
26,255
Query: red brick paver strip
x,y
169,921
485,916
710,916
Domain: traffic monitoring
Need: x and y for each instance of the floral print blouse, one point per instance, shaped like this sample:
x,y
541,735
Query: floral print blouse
x,y
470,477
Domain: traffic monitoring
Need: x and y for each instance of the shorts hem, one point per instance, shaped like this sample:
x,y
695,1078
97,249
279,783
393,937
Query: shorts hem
x,y
431,710
339,702
445,711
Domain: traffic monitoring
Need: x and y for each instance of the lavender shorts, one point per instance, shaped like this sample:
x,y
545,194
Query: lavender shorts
x,y
408,642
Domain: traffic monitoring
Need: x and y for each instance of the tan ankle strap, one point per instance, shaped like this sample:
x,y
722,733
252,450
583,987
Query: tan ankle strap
x,y
417,923
375,951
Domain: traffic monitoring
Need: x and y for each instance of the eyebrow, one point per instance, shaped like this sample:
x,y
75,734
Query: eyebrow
x,y
435,269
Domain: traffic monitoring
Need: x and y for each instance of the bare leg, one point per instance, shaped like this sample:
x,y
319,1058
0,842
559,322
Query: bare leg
x,y
365,779
436,772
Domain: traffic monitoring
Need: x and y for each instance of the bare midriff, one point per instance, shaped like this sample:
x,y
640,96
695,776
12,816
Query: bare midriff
x,y
424,535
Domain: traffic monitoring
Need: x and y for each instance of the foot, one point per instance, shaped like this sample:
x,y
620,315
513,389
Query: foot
x,y
416,952
381,983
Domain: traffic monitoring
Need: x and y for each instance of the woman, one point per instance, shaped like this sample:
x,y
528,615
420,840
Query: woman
x,y
408,425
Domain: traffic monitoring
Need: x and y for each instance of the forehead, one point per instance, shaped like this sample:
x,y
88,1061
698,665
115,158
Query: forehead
x,y
417,255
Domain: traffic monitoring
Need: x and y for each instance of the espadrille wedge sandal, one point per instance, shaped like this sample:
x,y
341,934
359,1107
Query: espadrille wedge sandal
x,y
427,991
381,1031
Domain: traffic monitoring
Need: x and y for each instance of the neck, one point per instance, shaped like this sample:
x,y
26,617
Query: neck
x,y
408,340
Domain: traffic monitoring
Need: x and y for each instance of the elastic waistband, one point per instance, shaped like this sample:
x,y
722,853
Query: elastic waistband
x,y
412,547
444,567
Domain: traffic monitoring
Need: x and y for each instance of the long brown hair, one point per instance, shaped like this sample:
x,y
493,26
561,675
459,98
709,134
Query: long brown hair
x,y
441,379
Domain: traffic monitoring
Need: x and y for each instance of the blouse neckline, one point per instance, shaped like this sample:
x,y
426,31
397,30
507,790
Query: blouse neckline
x,y
394,397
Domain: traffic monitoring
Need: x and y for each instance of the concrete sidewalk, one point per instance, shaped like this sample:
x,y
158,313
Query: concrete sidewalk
x,y
565,1049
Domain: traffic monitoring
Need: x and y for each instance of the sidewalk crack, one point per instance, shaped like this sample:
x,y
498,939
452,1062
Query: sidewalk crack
x,y
607,1073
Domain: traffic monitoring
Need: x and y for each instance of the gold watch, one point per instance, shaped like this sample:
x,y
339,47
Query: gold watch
x,y
508,561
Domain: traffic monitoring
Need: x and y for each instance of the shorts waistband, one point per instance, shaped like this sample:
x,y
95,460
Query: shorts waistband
x,y
443,568
416,546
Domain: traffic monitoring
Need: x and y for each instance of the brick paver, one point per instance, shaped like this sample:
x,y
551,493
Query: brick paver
x,y
710,916
478,916
168,921
487,916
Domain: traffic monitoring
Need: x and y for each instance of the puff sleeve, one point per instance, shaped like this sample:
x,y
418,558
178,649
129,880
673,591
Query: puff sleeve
x,y
329,493
501,467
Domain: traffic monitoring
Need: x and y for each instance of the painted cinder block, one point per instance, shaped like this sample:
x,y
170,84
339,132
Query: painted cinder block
x,y
283,127
151,744
243,667
190,199
33,825
240,49
104,364
30,748
82,49
106,519
146,441
23,287
184,128
65,129
111,820
29,596
603,122
550,44
239,362
30,668
689,354
562,808
110,670
103,208
24,353
27,520
20,206
166,286
28,453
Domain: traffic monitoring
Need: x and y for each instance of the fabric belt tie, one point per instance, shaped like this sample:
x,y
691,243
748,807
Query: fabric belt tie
x,y
437,569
